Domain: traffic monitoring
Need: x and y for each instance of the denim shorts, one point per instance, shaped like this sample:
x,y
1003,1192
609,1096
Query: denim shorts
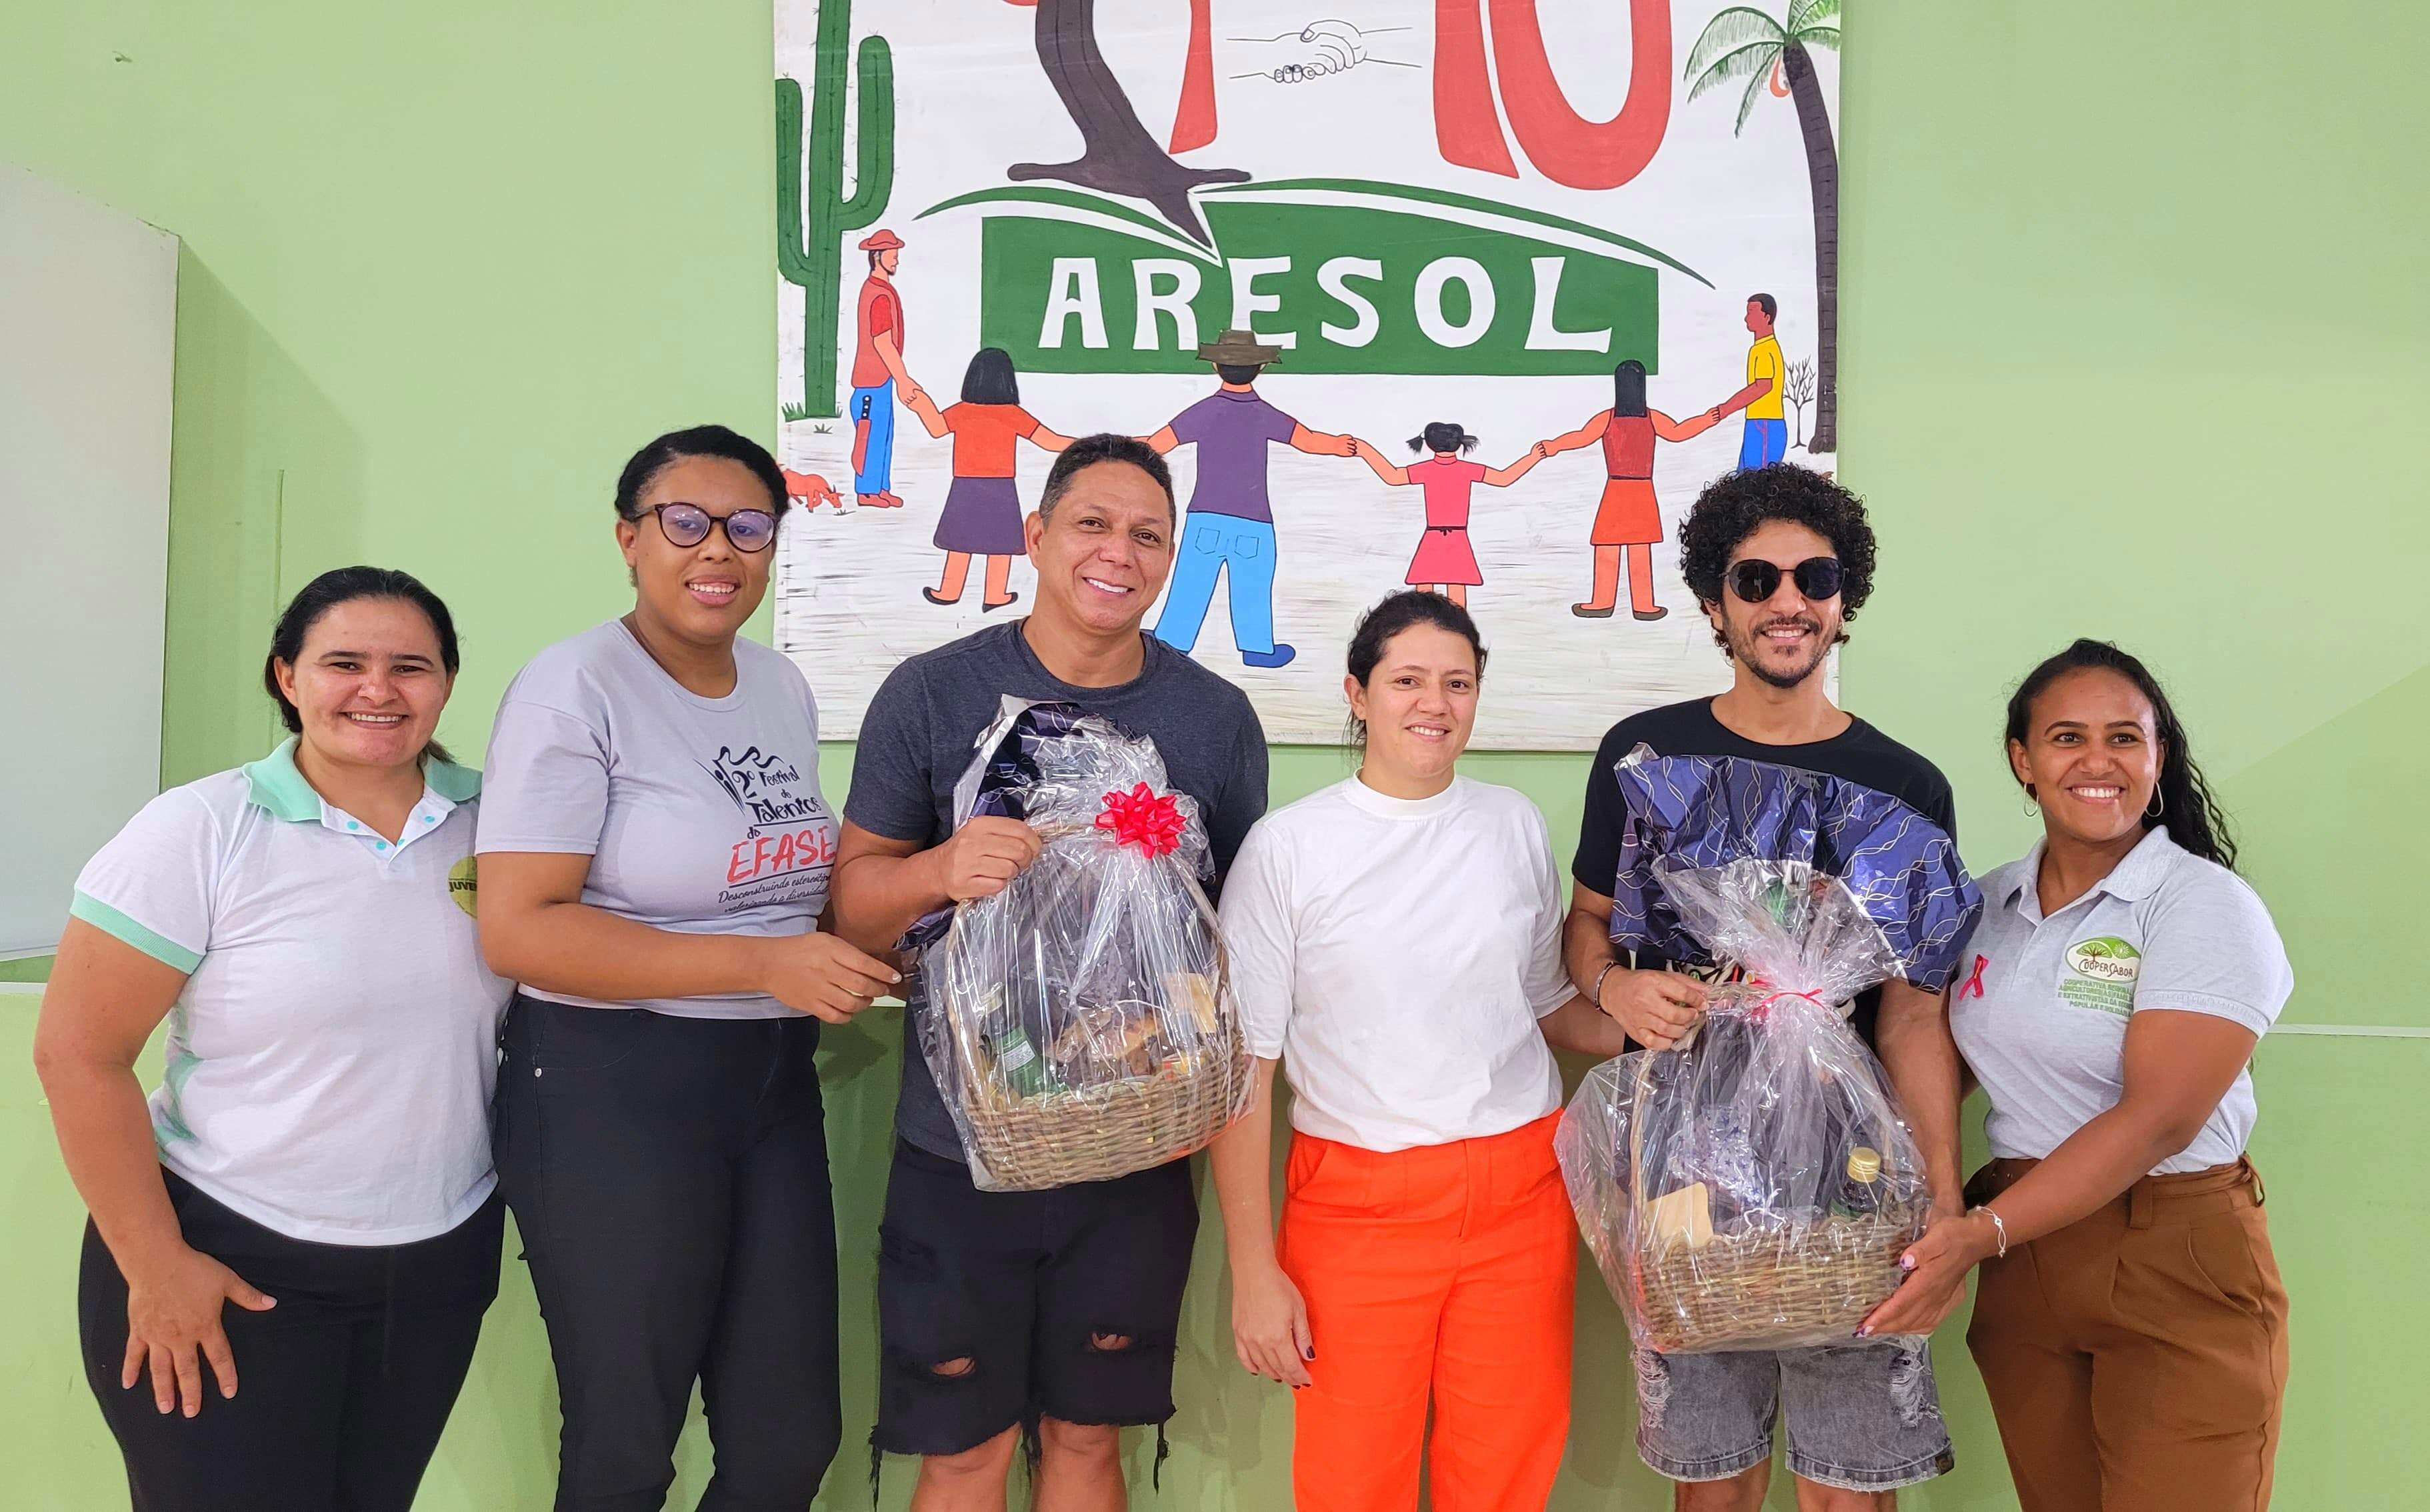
x,y
1861,1417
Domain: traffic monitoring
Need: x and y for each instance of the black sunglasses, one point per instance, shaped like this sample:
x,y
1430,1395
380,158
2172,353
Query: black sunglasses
x,y
689,525
1818,578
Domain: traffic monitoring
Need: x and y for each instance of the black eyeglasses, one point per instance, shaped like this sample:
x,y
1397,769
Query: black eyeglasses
x,y
1817,578
689,525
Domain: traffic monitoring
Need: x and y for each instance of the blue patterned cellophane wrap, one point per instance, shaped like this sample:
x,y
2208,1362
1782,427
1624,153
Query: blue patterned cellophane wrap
x,y
1087,1001
1753,1187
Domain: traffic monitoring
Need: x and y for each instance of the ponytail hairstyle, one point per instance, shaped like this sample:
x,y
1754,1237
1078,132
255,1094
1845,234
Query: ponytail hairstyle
x,y
2193,817
345,585
1444,436
1395,613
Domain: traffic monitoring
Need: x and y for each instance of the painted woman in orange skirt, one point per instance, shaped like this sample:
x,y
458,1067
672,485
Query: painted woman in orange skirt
x,y
1627,517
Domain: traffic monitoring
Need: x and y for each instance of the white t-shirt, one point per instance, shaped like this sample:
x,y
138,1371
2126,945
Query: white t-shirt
x,y
2040,1007
700,815
331,1055
1395,954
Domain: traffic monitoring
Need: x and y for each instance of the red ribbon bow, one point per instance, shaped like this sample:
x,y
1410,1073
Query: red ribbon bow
x,y
1144,818
1973,988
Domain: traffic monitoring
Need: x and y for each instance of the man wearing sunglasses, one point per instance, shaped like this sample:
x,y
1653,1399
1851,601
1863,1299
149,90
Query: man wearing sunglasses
x,y
1781,559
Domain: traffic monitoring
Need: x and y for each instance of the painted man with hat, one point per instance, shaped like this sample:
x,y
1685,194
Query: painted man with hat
x,y
877,371
1231,523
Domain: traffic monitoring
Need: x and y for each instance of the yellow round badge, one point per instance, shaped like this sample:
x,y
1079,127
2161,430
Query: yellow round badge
x,y
463,884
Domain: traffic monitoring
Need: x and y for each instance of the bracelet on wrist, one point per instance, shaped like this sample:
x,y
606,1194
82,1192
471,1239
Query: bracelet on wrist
x,y
1608,966
1999,1227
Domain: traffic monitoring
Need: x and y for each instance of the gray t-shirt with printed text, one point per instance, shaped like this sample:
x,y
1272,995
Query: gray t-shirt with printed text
x,y
700,815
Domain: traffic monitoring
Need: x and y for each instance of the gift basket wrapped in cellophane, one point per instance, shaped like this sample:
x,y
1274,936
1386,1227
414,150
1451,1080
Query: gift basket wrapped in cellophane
x,y
1754,1187
1080,1024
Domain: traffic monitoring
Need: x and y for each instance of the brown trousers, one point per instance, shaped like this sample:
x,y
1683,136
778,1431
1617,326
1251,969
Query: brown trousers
x,y
2135,1359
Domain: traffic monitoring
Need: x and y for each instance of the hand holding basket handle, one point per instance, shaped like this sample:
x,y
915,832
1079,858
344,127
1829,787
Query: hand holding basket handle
x,y
983,856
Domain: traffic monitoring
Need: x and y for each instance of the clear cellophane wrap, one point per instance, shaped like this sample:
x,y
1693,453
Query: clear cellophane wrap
x,y
1080,1024
1754,1187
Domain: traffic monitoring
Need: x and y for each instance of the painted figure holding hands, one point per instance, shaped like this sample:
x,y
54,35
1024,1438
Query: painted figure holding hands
x,y
1445,563
982,516
1628,519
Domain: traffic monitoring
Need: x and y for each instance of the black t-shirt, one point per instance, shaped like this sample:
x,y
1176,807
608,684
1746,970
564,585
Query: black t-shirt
x,y
921,732
1858,754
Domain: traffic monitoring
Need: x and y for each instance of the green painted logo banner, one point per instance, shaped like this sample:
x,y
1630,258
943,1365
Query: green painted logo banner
x,y
1342,288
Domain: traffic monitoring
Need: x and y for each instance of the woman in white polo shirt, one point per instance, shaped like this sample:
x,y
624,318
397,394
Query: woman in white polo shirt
x,y
656,853
2131,1326
307,1200
1395,944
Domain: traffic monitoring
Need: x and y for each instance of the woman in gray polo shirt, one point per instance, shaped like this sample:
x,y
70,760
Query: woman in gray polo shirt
x,y
2131,1327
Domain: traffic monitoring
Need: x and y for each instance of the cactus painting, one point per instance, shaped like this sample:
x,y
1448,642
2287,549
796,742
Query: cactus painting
x,y
813,214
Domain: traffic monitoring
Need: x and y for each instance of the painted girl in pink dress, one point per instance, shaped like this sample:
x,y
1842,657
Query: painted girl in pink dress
x,y
1445,563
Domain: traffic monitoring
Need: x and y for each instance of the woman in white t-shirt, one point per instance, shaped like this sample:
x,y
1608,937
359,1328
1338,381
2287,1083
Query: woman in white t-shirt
x,y
307,1198
656,852
1395,942
2132,1327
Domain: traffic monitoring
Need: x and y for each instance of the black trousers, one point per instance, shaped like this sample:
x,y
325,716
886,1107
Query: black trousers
x,y
343,1388
670,1179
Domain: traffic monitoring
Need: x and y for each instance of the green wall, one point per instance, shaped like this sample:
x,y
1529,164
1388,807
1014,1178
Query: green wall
x,y
2135,315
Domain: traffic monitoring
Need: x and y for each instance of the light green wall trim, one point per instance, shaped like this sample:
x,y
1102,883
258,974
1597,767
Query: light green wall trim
x,y
2133,325
111,921
34,969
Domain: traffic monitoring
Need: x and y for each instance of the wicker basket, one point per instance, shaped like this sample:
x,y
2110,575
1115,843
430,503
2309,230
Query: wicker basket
x,y
1755,1288
1766,1289
1059,1138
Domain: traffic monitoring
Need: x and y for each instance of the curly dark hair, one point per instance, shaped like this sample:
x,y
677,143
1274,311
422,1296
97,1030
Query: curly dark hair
x,y
1735,506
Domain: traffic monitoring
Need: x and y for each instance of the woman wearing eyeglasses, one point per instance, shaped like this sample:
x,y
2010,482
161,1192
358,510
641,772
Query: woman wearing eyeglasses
x,y
655,863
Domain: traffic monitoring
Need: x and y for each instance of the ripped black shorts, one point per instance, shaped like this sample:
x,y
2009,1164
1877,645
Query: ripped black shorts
x,y
996,1308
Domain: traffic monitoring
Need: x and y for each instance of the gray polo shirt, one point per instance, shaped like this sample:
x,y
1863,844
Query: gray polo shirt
x,y
2041,1006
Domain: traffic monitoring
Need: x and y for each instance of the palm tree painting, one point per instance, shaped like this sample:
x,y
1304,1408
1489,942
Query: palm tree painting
x,y
1745,43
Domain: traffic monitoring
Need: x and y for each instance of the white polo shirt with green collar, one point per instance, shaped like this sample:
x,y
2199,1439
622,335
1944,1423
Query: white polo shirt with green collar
x,y
2040,1011
331,1055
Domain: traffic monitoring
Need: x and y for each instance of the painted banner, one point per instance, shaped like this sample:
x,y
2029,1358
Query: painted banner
x,y
1470,294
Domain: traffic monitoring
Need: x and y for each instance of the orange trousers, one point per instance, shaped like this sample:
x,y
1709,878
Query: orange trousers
x,y
1441,1276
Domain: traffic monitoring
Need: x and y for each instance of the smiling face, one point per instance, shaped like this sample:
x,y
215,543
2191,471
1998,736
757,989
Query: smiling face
x,y
701,594
1104,551
1419,703
2090,756
1783,640
368,684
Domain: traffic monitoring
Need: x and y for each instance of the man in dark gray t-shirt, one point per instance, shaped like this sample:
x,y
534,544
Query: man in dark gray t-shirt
x,y
1058,1307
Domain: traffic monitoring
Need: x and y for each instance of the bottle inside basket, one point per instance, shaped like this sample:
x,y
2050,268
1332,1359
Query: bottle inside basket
x,y
1859,1193
1018,1066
